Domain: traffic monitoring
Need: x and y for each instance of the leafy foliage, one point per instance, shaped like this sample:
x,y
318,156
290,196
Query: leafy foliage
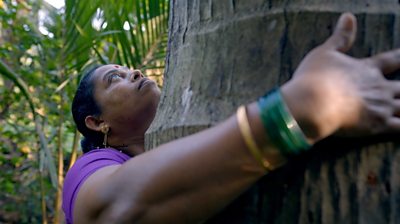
x,y
41,61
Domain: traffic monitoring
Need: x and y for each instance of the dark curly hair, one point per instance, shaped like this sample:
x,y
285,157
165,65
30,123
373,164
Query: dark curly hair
x,y
84,105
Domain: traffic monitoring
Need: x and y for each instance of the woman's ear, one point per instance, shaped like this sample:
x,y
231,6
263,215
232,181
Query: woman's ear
x,y
94,123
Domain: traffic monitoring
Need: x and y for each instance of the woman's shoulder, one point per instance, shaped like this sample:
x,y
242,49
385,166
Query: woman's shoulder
x,y
104,154
97,158
86,165
92,161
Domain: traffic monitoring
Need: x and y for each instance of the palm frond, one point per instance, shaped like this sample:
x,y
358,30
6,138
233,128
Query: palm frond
x,y
15,78
129,31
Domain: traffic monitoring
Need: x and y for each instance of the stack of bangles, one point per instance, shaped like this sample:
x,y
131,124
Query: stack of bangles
x,y
280,126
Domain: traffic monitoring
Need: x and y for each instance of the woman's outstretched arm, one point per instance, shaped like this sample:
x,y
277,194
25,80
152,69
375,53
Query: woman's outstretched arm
x,y
190,179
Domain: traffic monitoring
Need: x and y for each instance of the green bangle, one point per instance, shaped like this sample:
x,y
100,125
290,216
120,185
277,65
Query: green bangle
x,y
280,125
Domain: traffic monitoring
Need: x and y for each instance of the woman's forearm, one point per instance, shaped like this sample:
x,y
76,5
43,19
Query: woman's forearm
x,y
195,176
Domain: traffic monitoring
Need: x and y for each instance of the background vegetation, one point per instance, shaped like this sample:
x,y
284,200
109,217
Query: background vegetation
x,y
43,52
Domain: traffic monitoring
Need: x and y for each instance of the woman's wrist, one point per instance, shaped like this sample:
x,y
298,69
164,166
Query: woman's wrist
x,y
281,127
311,109
271,155
285,122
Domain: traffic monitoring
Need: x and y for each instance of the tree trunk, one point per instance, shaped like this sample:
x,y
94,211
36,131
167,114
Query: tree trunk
x,y
222,54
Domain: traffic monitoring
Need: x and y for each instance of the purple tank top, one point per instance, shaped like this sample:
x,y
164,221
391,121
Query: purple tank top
x,y
86,165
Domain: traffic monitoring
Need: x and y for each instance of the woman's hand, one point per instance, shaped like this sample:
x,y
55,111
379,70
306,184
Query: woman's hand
x,y
335,93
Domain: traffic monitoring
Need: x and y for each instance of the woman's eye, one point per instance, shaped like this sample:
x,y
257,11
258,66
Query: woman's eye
x,y
113,77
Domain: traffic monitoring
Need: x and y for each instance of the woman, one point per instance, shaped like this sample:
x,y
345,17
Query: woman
x,y
190,179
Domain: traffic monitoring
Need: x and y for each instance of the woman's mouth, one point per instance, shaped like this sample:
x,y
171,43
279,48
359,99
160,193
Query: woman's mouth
x,y
142,82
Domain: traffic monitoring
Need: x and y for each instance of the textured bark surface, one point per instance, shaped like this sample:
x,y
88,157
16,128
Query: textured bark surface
x,y
226,53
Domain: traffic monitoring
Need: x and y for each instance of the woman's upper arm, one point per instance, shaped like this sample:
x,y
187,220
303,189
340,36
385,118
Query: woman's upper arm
x,y
95,195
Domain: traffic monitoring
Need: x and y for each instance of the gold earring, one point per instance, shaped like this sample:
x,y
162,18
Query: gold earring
x,y
105,130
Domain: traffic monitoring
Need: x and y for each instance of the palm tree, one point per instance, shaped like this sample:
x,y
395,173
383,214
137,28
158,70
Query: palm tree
x,y
226,53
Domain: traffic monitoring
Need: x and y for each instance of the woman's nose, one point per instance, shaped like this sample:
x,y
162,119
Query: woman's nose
x,y
136,75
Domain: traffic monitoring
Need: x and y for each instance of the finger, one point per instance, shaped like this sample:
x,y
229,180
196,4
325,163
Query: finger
x,y
388,62
343,37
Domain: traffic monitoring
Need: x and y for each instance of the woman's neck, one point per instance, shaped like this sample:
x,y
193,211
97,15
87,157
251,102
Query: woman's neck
x,y
132,146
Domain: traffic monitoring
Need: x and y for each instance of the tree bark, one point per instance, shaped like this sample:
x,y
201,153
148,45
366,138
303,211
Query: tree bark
x,y
222,54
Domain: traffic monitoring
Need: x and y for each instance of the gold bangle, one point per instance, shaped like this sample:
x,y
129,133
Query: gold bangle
x,y
248,137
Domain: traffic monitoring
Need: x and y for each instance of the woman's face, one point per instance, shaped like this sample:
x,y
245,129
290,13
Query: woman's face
x,y
125,96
